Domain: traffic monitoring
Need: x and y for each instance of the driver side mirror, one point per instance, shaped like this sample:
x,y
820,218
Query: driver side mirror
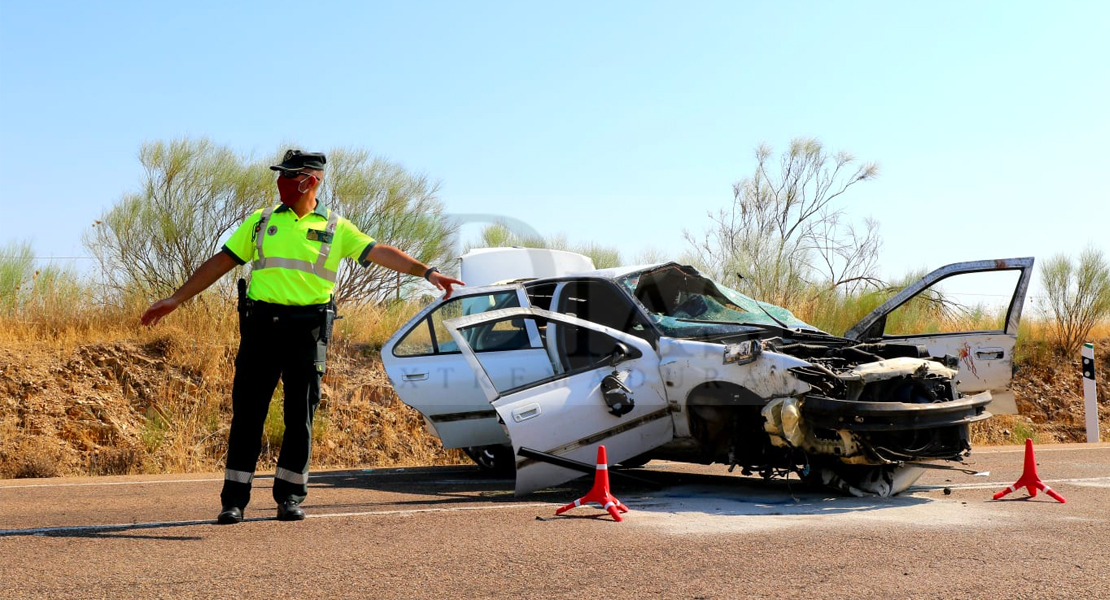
x,y
621,353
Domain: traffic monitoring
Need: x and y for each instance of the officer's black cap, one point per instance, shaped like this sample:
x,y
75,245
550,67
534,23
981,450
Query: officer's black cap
x,y
295,160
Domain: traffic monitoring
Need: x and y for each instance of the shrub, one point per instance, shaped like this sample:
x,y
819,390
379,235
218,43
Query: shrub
x,y
1077,296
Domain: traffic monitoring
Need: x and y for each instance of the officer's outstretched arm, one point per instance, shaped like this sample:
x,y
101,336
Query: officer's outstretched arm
x,y
393,258
204,276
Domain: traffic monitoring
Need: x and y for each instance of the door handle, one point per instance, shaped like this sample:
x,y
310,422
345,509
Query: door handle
x,y
415,376
526,412
990,353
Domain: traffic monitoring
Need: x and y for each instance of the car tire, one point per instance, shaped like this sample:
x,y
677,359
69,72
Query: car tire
x,y
864,480
496,459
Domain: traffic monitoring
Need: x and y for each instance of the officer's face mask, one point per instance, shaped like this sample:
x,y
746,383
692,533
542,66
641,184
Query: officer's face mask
x,y
292,189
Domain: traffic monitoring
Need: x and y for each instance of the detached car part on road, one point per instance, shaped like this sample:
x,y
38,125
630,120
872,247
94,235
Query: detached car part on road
x,y
661,362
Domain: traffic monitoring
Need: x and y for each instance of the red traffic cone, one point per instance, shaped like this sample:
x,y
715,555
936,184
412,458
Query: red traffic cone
x,y
1029,479
600,492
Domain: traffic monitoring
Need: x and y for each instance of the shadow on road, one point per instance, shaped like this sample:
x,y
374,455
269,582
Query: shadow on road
x,y
120,531
427,487
651,490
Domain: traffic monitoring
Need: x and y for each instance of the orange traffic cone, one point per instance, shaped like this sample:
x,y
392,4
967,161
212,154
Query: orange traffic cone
x,y
600,492
1029,479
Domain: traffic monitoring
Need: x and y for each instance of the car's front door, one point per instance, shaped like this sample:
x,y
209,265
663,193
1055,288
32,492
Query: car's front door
x,y
985,355
580,406
430,374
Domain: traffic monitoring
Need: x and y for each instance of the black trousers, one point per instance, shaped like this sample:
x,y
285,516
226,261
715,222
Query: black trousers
x,y
283,342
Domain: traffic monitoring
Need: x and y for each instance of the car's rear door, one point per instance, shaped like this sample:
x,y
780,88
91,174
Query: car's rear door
x,y
985,354
430,374
566,414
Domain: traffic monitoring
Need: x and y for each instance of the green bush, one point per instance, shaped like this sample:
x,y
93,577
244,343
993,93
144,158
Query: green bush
x,y
1077,296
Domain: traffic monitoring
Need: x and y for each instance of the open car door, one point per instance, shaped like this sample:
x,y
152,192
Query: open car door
x,y
605,389
430,374
986,357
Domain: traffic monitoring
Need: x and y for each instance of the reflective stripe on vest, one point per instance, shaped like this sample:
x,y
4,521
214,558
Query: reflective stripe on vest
x,y
316,268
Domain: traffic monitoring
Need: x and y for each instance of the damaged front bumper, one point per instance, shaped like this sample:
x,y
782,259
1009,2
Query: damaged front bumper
x,y
874,433
855,416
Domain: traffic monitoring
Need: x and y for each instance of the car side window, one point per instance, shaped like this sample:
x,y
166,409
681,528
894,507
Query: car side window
x,y
580,348
430,335
570,348
603,304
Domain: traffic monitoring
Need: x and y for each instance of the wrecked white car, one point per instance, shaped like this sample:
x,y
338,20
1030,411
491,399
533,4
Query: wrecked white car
x,y
661,362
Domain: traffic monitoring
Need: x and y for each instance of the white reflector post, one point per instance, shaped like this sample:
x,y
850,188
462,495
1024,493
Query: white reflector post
x,y
1090,400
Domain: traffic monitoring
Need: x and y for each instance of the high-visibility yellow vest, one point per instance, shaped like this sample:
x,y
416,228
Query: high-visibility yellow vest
x,y
294,261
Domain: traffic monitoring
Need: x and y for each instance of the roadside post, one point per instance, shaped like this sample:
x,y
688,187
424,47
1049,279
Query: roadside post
x,y
1090,399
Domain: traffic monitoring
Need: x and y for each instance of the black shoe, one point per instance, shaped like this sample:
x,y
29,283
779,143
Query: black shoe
x,y
230,515
290,511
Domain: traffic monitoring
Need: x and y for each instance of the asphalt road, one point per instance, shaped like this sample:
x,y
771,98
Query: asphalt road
x,y
692,533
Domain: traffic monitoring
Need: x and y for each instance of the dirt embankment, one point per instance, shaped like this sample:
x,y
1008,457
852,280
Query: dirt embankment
x,y
1049,394
121,407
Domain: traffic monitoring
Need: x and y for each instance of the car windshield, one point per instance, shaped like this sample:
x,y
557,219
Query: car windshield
x,y
682,303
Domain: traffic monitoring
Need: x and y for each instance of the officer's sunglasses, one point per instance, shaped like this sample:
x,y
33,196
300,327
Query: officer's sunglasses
x,y
293,174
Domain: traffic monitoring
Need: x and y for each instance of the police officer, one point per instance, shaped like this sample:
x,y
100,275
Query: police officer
x,y
294,249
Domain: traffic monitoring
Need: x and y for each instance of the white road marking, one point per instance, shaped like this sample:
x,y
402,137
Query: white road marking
x,y
220,479
99,483
41,531
999,485
658,465
1038,449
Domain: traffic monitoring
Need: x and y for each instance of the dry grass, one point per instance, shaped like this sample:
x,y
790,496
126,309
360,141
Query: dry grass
x,y
836,313
371,326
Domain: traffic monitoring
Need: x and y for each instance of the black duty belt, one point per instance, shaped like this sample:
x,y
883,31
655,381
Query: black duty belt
x,y
284,310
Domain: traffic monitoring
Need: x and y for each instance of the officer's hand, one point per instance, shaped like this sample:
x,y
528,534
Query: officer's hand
x,y
443,282
158,310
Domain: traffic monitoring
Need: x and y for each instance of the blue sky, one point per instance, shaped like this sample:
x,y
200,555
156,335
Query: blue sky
x,y
622,123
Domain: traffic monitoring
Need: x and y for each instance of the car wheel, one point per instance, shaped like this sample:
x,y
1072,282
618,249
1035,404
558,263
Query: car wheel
x,y
866,480
494,459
